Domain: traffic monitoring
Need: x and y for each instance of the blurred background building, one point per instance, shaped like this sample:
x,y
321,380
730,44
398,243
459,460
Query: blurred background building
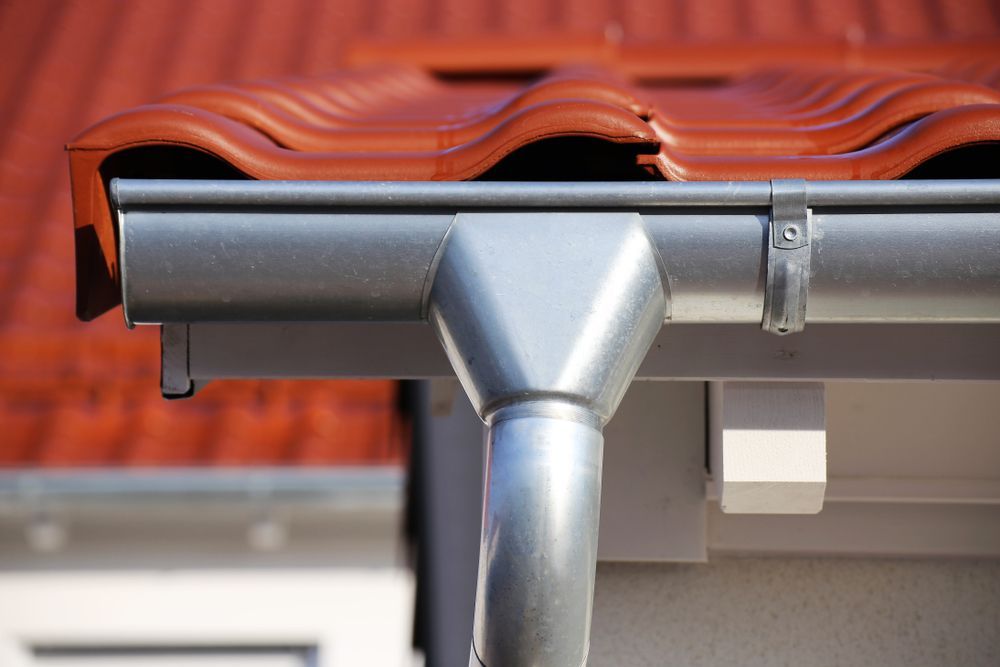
x,y
259,524
263,523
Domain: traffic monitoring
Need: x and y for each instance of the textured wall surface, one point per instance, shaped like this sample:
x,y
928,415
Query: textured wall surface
x,y
803,612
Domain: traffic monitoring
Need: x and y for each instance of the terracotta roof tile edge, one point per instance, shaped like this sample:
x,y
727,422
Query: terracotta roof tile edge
x,y
896,156
255,155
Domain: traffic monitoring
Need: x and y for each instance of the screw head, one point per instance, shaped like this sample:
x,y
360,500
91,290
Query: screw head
x,y
791,233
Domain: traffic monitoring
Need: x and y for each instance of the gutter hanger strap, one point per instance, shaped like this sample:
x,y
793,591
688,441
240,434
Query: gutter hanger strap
x,y
788,259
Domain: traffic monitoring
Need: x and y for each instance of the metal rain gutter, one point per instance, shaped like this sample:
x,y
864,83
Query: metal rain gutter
x,y
546,297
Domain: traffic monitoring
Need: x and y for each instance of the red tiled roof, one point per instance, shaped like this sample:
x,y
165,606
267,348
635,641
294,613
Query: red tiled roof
x,y
400,123
683,56
348,127
232,424
87,395
67,389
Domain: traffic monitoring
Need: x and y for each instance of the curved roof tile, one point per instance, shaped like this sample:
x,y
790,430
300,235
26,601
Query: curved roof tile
x,y
894,157
294,122
828,135
271,151
400,123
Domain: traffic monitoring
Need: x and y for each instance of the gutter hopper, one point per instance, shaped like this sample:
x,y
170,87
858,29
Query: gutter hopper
x,y
545,319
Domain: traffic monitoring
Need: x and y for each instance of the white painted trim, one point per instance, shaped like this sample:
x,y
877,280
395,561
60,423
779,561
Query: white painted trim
x,y
767,442
353,616
860,530
881,490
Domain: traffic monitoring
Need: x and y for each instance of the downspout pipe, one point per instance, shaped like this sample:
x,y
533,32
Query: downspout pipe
x,y
545,319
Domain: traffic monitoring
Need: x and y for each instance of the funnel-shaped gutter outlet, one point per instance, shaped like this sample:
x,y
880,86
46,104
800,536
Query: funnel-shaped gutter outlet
x,y
545,319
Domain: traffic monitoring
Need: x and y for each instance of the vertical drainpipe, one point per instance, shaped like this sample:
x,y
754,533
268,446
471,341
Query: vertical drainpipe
x,y
545,319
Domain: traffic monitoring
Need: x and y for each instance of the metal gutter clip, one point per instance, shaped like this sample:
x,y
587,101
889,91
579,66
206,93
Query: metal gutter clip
x,y
788,258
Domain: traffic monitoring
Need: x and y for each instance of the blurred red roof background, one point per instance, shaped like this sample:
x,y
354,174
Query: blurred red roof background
x,y
88,395
76,394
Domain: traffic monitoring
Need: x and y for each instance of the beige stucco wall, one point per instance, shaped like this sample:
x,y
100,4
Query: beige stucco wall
x,y
802,612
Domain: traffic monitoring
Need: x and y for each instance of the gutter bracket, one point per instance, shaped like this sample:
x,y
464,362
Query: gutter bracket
x,y
175,362
788,258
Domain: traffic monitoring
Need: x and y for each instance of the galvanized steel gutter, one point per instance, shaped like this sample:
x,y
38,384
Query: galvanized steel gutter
x,y
546,297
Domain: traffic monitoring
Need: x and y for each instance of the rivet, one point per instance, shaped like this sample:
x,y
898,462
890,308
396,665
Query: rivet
x,y
791,233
